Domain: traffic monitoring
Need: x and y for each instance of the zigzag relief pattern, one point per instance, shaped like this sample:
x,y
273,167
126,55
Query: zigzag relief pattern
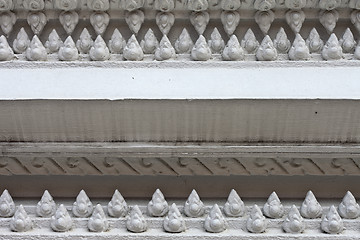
x,y
90,165
229,219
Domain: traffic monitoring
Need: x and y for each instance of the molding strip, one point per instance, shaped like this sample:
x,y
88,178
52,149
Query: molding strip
x,y
146,159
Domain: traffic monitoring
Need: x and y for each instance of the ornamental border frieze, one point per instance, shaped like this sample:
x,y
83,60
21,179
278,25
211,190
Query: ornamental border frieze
x,y
178,160
179,218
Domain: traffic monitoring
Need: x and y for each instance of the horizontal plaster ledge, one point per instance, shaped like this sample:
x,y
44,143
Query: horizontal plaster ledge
x,y
128,80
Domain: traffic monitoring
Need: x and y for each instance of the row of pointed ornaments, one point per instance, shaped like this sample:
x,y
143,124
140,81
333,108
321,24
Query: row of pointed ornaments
x,y
119,49
196,10
173,220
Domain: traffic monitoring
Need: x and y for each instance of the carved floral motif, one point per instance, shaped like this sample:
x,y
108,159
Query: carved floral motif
x,y
6,5
230,20
6,53
66,5
36,51
164,5
197,5
37,21
34,5
264,19
134,20
7,21
199,20
21,222
329,4
174,222
131,5
295,4
295,19
69,20
99,21
184,44
264,5
98,5
329,19
230,5
215,221
165,50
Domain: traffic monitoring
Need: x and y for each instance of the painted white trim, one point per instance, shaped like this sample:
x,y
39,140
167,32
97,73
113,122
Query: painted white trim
x,y
175,83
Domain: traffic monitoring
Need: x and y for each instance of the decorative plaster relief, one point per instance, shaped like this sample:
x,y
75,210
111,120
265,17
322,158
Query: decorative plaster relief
x,y
68,52
184,44
201,50
132,50
99,51
234,206
85,42
332,222
266,50
174,222
216,43
150,42
117,42
233,51
165,50
311,208
36,51
37,21
98,5
194,207
165,21
136,222
294,223
117,207
349,208
6,53
69,20
134,20
295,4
295,19
230,20
82,207
158,207
99,21
215,221
197,5
34,5
249,219
53,43
61,221
299,51
273,207
200,21
6,5
131,5
7,21
7,205
230,5
347,42
164,5
66,5
264,5
98,221
281,42
329,19
264,19
46,207
256,222
332,49
21,222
